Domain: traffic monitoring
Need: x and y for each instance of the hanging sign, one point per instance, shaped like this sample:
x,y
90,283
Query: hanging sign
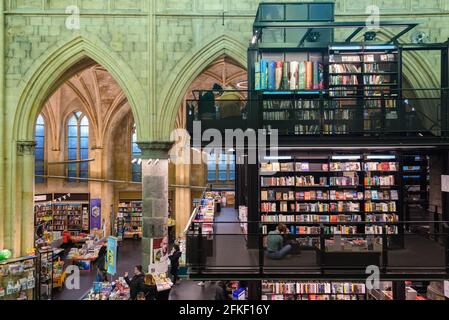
x,y
111,257
95,214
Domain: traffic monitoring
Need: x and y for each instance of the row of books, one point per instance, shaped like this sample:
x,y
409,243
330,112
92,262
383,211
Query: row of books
x,y
345,181
333,230
380,166
382,181
362,58
344,68
303,230
377,103
345,166
313,287
287,115
380,206
335,207
344,80
381,195
292,181
271,195
377,79
338,115
382,218
314,297
290,104
286,75
342,92
390,230
311,218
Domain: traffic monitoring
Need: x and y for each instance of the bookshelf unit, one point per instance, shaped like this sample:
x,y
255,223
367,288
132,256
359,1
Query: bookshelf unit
x,y
62,216
416,180
364,83
331,189
43,213
132,215
290,290
72,217
334,91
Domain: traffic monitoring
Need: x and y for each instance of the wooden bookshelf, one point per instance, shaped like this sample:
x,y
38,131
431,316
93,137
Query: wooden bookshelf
x,y
132,215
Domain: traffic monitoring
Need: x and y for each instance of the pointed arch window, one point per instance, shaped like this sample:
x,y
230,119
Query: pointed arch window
x,y
77,146
136,161
40,150
221,167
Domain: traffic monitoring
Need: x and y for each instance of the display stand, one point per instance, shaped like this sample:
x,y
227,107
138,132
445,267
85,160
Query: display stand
x,y
45,275
18,279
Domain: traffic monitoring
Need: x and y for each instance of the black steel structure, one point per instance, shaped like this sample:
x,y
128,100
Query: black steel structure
x,y
364,115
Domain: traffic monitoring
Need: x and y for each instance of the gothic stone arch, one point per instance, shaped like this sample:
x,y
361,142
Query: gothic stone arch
x,y
48,73
191,67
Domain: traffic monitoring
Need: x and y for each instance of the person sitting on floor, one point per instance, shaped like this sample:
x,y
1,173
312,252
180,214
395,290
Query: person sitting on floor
x,y
275,244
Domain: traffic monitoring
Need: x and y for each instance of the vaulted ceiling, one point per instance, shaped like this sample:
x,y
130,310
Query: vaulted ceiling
x,y
93,92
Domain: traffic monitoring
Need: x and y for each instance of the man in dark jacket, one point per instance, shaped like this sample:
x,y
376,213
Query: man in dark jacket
x,y
174,262
207,102
137,283
102,274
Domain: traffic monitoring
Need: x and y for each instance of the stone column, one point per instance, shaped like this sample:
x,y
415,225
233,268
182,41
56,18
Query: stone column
x,y
2,132
183,199
154,194
25,166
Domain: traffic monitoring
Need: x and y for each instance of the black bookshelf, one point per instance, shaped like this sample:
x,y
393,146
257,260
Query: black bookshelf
x,y
345,189
291,290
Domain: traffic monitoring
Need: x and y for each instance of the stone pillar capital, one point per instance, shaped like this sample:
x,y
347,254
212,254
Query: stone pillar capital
x,y
155,149
25,148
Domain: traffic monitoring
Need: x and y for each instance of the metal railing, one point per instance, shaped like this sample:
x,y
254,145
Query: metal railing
x,y
416,113
395,249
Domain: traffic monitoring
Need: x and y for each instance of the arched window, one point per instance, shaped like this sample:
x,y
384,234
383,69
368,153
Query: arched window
x,y
221,168
78,146
136,161
40,150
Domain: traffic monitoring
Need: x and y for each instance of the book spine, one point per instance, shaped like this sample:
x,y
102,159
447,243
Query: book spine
x,y
316,75
302,76
279,74
309,75
263,74
272,76
286,76
294,72
257,76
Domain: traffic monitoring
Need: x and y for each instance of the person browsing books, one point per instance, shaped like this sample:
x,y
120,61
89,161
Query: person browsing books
x,y
206,106
275,244
137,283
174,260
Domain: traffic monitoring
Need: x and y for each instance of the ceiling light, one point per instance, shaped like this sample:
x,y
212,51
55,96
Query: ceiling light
x,y
370,36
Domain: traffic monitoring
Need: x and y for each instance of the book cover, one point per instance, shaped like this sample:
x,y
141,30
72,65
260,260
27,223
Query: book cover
x,y
263,74
279,74
286,76
257,76
294,74
302,76
316,75
272,75
309,75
